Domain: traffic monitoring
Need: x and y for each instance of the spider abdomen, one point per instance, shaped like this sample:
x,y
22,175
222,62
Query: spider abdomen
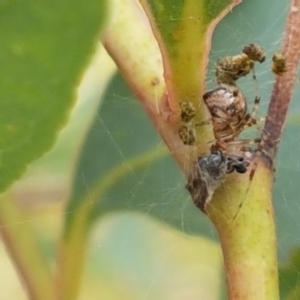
x,y
228,108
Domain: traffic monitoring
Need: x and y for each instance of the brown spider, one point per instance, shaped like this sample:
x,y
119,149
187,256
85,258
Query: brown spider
x,y
228,108
226,103
229,117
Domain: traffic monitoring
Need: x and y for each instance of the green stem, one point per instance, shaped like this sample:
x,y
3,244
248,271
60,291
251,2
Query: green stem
x,y
25,252
242,212
247,234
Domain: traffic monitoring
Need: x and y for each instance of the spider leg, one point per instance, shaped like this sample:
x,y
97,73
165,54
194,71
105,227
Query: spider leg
x,y
250,118
255,80
244,146
255,107
251,176
259,152
256,87
241,144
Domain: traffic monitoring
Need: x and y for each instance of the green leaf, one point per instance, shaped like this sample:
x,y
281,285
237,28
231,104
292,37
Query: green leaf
x,y
45,47
286,190
183,31
289,277
124,166
159,262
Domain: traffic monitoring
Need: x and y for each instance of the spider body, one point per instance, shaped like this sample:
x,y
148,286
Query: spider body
x,y
226,103
228,108
217,164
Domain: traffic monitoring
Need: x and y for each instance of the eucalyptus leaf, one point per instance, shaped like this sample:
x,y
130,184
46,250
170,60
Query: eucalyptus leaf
x,y
120,137
289,277
45,47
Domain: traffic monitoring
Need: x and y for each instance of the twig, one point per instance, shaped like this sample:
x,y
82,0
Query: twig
x,y
283,87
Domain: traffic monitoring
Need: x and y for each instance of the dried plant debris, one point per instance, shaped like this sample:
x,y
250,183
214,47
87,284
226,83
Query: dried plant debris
x,y
279,63
188,111
229,69
187,135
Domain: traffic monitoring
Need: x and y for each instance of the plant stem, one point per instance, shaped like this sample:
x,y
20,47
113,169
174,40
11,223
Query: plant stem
x,y
245,223
283,87
243,214
73,245
71,256
25,252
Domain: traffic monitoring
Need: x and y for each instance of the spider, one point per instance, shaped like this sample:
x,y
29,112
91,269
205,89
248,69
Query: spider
x,y
209,172
229,116
228,109
226,103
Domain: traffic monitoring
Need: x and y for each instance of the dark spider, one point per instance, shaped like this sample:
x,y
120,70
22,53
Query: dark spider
x,y
209,172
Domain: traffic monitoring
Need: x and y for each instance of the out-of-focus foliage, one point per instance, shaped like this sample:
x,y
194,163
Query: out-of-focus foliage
x,y
289,277
45,47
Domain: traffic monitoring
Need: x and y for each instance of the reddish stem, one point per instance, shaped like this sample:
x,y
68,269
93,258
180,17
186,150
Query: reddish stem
x,y
283,87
